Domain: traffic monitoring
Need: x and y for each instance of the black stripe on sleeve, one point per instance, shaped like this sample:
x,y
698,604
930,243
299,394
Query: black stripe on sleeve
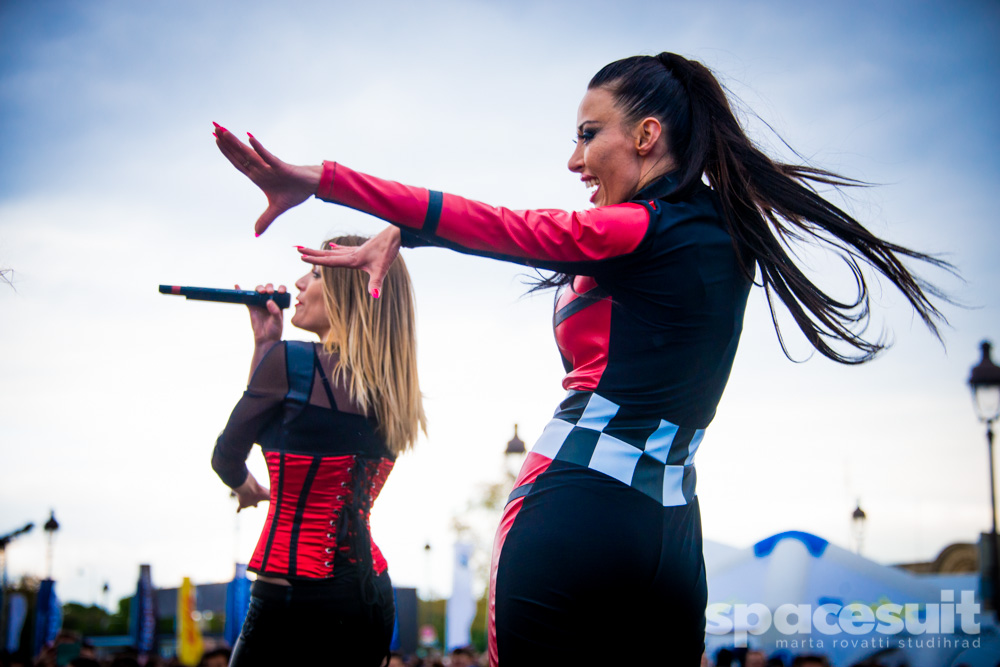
x,y
433,217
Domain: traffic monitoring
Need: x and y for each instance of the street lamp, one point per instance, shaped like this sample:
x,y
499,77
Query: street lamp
x,y
50,528
514,454
985,384
858,518
515,445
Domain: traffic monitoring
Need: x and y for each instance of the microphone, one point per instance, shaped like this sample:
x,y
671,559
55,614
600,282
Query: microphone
x,y
246,297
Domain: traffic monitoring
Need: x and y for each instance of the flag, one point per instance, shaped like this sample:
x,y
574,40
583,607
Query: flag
x,y
142,619
17,613
48,615
189,643
461,608
237,603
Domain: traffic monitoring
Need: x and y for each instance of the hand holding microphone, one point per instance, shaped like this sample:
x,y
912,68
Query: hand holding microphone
x,y
266,321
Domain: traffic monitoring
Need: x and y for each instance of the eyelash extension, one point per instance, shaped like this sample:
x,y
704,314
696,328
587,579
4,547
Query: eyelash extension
x,y
585,137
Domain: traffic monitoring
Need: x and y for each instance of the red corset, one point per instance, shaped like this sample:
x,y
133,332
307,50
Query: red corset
x,y
319,505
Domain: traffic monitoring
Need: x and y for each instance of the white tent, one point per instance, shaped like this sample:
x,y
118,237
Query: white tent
x,y
798,593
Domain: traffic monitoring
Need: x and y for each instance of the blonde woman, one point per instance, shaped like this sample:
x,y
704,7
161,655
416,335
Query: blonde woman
x,y
330,417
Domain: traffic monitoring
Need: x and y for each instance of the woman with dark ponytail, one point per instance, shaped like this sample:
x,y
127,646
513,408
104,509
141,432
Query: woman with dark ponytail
x,y
598,558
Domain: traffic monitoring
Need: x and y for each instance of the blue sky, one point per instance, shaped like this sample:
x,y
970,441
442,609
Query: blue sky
x,y
111,395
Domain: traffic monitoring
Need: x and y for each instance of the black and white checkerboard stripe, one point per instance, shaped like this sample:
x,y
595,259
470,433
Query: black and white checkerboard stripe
x,y
650,455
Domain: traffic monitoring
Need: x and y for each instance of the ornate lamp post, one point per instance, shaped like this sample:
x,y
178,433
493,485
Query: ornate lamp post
x,y
514,454
50,528
985,384
858,518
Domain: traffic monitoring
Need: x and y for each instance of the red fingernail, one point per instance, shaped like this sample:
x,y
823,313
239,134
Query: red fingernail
x,y
298,247
219,127
215,135
251,136
375,293
256,233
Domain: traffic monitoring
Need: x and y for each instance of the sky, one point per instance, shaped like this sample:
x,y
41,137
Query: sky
x,y
112,395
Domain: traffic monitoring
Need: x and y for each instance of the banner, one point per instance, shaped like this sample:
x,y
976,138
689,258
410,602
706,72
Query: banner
x,y
237,603
404,634
48,615
142,619
189,642
17,613
461,608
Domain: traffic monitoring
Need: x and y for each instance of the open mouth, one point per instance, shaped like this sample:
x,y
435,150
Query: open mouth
x,y
594,186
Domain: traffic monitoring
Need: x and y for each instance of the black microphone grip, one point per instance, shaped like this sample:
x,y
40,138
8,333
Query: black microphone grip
x,y
246,297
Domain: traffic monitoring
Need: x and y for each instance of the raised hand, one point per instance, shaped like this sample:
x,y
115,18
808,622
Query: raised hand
x,y
285,185
374,257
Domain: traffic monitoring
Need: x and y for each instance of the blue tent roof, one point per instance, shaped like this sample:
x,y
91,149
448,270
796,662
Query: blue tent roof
x,y
814,545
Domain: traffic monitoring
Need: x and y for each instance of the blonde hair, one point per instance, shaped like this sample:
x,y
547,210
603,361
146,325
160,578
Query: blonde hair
x,y
376,339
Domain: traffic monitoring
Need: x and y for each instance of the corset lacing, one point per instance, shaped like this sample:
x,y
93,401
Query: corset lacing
x,y
354,531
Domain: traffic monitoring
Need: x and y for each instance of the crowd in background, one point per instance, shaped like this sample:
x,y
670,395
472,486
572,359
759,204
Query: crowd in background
x,y
71,650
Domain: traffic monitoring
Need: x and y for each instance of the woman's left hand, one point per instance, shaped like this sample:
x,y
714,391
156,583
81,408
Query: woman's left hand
x,y
285,185
250,492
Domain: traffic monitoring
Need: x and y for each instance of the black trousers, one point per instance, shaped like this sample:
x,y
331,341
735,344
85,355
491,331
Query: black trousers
x,y
326,623
593,572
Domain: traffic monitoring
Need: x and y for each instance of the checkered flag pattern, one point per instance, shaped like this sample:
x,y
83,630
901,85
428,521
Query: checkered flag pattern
x,y
650,455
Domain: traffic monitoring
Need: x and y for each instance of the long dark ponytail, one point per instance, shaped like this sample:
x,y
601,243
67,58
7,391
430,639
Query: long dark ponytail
x,y
767,204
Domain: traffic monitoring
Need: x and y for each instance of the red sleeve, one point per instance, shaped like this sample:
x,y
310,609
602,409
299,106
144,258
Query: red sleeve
x,y
597,234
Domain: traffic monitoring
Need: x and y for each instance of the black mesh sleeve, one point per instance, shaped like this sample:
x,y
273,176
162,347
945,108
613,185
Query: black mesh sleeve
x,y
260,403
